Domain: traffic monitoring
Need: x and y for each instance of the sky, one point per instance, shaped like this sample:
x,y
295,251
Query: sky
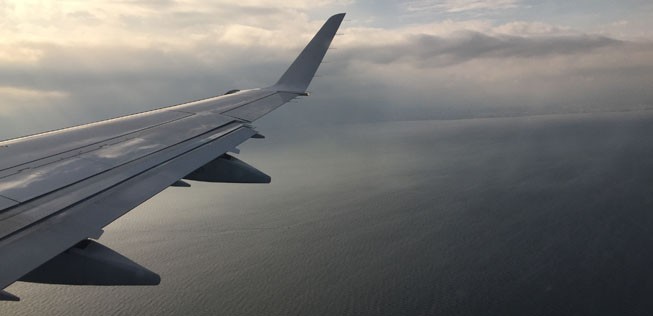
x,y
71,62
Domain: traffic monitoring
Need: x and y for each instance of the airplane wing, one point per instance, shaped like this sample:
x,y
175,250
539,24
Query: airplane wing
x,y
59,189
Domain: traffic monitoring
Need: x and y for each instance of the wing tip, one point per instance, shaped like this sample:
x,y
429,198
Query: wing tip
x,y
300,73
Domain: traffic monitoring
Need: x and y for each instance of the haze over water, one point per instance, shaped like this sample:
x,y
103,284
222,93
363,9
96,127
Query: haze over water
x,y
542,215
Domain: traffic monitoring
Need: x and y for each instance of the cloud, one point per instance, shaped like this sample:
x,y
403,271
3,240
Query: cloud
x,y
459,6
433,51
103,59
14,98
525,28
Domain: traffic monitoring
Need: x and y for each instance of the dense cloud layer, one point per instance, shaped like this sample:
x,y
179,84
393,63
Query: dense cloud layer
x,y
69,62
464,46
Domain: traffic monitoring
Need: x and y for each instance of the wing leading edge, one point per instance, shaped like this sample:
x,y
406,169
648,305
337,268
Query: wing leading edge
x,y
59,189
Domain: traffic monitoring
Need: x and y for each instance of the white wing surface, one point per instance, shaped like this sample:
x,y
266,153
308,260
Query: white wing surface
x,y
59,189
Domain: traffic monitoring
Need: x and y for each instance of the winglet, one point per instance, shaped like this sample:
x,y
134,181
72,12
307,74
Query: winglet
x,y
301,71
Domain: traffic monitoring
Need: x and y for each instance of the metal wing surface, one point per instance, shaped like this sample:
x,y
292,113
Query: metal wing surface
x,y
59,189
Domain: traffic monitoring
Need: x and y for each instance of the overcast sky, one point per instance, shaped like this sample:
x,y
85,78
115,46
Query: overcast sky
x,y
69,62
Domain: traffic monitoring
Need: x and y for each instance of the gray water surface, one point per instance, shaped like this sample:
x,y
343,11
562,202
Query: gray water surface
x,y
547,215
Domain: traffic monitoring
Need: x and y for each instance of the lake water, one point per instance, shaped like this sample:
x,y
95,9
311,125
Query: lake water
x,y
548,215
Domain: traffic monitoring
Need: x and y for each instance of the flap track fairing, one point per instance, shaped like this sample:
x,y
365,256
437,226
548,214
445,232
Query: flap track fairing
x,y
91,263
228,169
